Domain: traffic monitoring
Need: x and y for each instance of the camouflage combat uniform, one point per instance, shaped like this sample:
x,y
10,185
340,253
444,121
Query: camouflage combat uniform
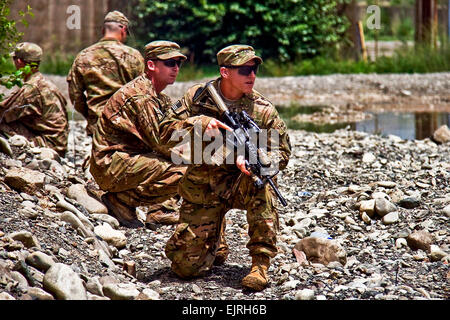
x,y
100,70
37,111
209,191
131,157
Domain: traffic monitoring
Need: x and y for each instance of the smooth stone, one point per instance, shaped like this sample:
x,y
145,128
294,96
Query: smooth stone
x,y
320,250
442,134
446,211
420,240
113,237
39,294
383,207
366,218
436,253
76,223
368,157
120,291
305,294
40,261
78,192
94,286
6,296
391,217
379,195
18,141
387,184
107,218
48,154
26,238
5,147
64,283
400,242
368,206
148,294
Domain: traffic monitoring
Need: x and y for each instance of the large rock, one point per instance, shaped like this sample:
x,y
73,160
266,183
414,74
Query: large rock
x,y
442,134
40,261
368,206
78,192
120,291
383,207
5,147
25,180
446,211
113,237
321,250
420,240
64,283
26,238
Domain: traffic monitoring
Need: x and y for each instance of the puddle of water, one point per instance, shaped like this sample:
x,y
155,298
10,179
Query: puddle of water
x,y
407,125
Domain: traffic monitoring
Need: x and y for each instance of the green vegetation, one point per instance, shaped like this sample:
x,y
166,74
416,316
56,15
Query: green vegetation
x,y
404,60
278,29
57,63
9,36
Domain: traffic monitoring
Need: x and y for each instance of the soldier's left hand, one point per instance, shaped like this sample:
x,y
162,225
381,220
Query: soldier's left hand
x,y
240,163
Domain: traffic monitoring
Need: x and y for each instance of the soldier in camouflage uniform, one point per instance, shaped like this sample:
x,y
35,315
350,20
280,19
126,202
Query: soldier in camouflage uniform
x,y
130,157
103,68
209,191
37,110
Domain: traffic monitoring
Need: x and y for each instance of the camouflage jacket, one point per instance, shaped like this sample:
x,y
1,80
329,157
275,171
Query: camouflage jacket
x,y
130,125
97,72
41,108
223,178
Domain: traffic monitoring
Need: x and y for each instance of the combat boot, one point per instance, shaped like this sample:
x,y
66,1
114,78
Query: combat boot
x,y
257,279
161,217
126,215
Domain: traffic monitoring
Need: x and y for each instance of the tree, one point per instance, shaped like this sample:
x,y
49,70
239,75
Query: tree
x,y
9,36
279,29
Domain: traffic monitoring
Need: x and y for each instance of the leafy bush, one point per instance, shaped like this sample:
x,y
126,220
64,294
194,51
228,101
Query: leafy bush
x,y
278,29
9,36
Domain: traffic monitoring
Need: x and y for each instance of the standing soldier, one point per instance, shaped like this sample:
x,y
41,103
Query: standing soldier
x,y
103,68
130,159
37,110
209,191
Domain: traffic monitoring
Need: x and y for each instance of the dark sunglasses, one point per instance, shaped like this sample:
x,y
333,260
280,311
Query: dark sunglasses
x,y
245,70
172,62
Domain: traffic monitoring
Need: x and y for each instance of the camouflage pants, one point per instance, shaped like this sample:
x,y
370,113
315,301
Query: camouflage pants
x,y
141,180
197,237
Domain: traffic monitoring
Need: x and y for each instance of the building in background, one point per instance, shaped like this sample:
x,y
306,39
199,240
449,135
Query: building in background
x,y
65,26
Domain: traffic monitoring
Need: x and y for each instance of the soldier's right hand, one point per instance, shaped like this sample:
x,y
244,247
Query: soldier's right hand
x,y
212,129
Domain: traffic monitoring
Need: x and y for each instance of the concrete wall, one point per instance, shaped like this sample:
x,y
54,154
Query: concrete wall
x,y
49,27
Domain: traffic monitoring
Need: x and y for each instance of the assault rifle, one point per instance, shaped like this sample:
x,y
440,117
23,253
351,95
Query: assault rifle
x,y
244,128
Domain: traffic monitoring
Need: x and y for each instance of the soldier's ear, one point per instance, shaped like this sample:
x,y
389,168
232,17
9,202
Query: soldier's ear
x,y
224,72
151,65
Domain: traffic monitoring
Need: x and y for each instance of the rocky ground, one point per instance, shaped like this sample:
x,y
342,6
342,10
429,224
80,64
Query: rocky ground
x,y
329,184
383,201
